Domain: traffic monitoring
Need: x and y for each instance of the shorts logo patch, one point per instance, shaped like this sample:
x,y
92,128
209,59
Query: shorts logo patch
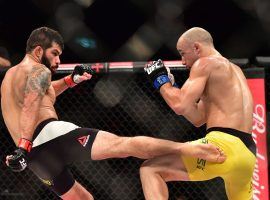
x,y
204,141
201,162
47,182
83,140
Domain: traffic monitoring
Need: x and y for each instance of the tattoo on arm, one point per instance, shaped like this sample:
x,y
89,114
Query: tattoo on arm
x,y
38,81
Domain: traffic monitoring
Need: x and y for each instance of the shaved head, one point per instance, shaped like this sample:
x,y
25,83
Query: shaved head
x,y
197,34
194,44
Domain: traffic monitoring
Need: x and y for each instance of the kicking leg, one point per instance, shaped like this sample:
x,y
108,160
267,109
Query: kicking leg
x,y
108,145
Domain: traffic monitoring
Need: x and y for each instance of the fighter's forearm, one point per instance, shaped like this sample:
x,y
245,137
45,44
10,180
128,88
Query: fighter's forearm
x,y
59,86
172,96
81,73
181,104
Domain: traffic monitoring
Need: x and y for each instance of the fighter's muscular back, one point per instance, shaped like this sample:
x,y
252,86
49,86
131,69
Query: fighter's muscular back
x,y
27,97
227,98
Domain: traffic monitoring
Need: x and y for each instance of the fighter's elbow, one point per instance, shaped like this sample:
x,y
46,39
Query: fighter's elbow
x,y
198,123
179,109
199,120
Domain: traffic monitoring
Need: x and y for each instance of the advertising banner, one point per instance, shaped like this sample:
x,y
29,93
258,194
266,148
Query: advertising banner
x,y
260,175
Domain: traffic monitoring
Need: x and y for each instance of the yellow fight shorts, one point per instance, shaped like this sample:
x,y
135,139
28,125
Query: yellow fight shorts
x,y
236,171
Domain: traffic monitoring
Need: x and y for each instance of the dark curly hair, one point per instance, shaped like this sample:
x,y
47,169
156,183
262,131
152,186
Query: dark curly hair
x,y
43,37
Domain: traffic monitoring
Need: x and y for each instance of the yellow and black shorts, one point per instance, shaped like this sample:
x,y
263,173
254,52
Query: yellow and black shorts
x,y
236,171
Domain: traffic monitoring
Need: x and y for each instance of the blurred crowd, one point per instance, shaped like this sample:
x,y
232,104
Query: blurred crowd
x,y
4,57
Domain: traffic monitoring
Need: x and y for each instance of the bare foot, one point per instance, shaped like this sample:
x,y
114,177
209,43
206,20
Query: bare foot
x,y
207,152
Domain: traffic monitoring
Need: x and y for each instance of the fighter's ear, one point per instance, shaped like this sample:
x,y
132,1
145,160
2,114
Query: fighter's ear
x,y
38,51
197,47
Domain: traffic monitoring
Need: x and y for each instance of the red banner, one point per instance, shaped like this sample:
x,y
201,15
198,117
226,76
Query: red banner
x,y
260,174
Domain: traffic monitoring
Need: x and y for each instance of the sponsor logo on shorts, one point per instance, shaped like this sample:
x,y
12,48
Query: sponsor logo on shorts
x,y
83,140
204,141
201,162
47,182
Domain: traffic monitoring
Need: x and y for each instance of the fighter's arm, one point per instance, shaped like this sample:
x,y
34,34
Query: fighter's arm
x,y
79,74
37,83
186,101
59,86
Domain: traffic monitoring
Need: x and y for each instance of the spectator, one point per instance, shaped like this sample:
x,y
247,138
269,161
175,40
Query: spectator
x,y
4,57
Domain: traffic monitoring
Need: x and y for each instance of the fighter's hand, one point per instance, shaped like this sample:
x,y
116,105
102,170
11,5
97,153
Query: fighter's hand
x,y
171,77
80,73
17,161
159,74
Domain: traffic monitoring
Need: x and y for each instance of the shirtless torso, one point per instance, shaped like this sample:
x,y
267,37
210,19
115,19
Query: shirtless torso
x,y
226,96
12,101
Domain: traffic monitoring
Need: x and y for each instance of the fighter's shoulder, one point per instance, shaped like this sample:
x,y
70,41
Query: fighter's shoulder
x,y
39,71
40,68
210,63
210,60
202,66
11,69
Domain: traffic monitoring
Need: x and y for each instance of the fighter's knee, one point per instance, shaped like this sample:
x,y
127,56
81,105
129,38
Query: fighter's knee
x,y
146,167
152,167
146,163
77,195
77,192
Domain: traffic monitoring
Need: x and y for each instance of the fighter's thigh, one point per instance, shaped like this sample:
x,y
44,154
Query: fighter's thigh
x,y
77,192
170,167
238,183
237,190
108,145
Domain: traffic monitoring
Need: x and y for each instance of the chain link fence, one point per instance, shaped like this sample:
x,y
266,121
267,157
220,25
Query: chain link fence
x,y
126,104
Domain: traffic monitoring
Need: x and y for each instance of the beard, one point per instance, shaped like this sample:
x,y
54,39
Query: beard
x,y
45,61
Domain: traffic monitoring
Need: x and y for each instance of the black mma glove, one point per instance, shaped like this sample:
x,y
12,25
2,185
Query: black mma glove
x,y
80,69
76,76
159,74
17,162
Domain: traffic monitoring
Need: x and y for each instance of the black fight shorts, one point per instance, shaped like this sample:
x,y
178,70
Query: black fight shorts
x,y
56,144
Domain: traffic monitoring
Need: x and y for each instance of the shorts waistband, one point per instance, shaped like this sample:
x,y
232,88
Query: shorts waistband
x,y
41,125
246,138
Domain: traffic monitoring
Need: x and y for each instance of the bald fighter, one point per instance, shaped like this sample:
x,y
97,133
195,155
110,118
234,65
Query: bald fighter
x,y
47,145
216,94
